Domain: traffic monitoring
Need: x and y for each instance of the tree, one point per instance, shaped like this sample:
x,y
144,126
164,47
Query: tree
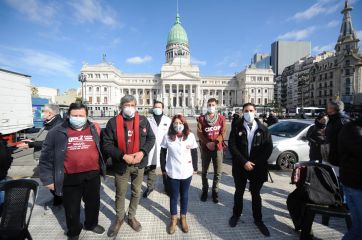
x,y
34,92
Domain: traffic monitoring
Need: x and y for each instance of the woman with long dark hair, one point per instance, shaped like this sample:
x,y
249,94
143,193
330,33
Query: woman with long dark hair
x,y
179,162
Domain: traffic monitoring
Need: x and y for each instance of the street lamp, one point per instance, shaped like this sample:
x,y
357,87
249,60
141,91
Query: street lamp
x,y
82,78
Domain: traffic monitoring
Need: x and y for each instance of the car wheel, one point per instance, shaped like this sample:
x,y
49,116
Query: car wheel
x,y
286,160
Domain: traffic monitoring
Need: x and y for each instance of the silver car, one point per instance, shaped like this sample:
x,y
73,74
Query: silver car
x,y
290,144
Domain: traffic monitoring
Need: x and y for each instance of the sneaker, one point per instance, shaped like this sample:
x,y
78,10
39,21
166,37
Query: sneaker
x,y
262,228
203,197
97,229
147,193
233,221
73,238
215,197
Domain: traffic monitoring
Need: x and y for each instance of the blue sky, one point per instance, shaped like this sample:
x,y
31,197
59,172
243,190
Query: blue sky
x,y
50,40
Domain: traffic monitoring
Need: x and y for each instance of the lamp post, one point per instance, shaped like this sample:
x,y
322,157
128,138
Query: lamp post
x,y
82,78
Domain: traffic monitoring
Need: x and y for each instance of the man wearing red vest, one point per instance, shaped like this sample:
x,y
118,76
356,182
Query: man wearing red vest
x,y
211,129
127,139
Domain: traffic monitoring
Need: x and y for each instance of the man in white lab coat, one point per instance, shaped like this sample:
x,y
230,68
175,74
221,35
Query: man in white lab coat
x,y
160,125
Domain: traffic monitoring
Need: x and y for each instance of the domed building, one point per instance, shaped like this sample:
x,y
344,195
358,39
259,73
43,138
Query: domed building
x,y
179,84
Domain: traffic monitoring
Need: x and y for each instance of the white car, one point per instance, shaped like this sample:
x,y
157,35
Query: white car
x,y
290,144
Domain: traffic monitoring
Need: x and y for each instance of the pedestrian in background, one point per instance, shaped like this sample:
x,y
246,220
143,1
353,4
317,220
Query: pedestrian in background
x,y
211,130
350,152
127,139
317,138
160,124
70,164
179,163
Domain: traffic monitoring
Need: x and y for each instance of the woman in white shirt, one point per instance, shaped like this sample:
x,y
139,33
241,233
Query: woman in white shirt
x,y
179,161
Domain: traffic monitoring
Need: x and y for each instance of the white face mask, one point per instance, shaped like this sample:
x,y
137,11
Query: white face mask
x,y
211,109
249,116
129,112
157,111
77,122
178,127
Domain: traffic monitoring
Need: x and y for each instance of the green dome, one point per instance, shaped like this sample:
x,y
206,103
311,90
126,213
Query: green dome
x,y
177,33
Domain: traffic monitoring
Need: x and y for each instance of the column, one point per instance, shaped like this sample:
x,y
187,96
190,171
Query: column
x,y
170,96
184,96
177,96
222,97
151,96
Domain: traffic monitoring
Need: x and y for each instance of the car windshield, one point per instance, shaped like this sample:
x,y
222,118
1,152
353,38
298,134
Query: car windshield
x,y
287,129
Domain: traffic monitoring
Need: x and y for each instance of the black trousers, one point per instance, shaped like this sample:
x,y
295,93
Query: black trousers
x,y
76,187
255,186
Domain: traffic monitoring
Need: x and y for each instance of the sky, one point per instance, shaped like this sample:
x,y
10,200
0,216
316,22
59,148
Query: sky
x,y
51,40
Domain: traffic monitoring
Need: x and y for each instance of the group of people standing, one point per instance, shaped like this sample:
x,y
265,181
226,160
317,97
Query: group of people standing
x,y
74,152
336,140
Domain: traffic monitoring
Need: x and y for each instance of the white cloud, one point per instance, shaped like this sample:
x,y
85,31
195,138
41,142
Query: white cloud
x,y
91,11
198,62
327,47
35,10
139,60
36,62
231,61
333,23
359,34
321,7
298,34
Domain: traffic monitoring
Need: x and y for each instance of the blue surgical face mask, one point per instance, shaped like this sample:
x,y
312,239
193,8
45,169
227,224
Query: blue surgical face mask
x,y
249,116
178,127
157,111
77,122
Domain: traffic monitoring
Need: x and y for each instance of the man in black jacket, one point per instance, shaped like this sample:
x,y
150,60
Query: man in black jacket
x,y
272,119
251,145
336,120
127,139
350,150
70,164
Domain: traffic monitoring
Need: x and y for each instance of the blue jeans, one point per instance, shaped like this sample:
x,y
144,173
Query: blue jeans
x,y
354,196
176,187
2,193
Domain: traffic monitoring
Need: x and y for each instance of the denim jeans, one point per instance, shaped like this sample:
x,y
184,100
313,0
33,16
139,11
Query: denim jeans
x,y
2,193
353,197
176,187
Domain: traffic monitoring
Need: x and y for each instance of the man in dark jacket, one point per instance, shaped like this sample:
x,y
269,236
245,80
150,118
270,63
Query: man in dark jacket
x,y
251,145
127,139
316,137
70,164
51,118
5,163
337,119
350,151
272,119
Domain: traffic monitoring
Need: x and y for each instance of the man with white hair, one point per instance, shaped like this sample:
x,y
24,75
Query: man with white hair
x,y
51,118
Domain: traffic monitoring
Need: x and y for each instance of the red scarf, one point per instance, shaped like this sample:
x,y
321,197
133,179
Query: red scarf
x,y
120,133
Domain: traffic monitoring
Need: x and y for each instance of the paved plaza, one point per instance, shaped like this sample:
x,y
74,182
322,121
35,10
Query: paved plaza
x,y
206,220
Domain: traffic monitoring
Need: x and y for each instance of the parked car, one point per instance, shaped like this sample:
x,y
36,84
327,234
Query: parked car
x,y
289,142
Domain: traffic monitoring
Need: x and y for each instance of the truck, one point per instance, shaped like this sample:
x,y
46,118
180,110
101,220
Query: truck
x,y
16,112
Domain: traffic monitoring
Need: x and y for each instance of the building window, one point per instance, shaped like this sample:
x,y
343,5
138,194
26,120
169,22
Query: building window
x,y
265,101
90,100
252,90
252,100
90,89
331,83
105,100
348,91
320,77
347,72
253,79
98,75
259,101
266,79
105,76
97,89
260,78
330,92
258,90
105,89
265,90
167,91
325,76
331,75
98,100
348,81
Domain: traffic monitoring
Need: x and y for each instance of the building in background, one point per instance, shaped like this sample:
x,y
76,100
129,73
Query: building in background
x,y
262,60
179,84
285,53
314,81
47,93
68,97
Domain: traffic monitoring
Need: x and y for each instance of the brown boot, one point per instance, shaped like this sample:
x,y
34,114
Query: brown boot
x,y
113,230
135,225
184,226
172,227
